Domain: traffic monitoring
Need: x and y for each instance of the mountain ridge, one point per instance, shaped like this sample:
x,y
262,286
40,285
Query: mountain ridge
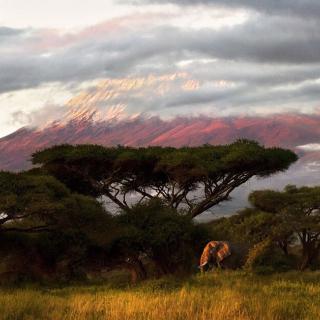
x,y
285,130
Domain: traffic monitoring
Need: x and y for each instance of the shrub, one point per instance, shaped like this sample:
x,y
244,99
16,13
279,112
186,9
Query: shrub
x,y
265,257
171,240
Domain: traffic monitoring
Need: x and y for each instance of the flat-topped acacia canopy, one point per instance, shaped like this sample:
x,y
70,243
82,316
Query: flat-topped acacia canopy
x,y
189,179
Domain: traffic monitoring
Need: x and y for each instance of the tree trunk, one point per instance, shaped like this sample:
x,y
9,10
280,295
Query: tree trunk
x,y
162,266
137,270
283,246
142,269
134,275
309,254
305,262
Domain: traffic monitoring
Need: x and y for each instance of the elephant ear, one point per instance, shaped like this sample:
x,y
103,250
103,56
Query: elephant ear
x,y
224,250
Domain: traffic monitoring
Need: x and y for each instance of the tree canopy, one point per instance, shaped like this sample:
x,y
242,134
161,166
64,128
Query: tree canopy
x,y
189,179
249,226
35,198
41,202
161,234
42,217
298,213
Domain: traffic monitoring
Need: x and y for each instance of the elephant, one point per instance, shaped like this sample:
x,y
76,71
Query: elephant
x,y
222,254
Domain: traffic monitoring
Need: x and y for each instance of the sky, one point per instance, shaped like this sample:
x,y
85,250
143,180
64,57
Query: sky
x,y
162,57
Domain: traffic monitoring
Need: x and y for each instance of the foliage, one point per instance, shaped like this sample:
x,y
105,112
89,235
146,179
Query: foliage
x,y
43,219
265,257
189,179
297,211
249,226
280,218
69,234
35,198
169,239
267,236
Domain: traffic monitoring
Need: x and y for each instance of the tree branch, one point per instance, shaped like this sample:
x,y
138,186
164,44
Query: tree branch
x,y
44,228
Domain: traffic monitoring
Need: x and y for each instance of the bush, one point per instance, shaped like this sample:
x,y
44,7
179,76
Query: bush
x,y
248,226
265,258
171,240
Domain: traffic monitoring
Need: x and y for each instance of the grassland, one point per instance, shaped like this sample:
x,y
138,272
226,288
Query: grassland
x,y
225,295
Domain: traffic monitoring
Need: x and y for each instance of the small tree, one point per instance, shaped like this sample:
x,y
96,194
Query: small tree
x,y
297,211
189,179
29,200
40,216
264,236
165,237
249,226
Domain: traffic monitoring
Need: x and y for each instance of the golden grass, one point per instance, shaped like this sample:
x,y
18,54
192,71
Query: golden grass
x,y
225,295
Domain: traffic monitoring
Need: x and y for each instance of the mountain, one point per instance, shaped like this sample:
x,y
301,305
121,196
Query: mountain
x,y
111,112
286,130
86,122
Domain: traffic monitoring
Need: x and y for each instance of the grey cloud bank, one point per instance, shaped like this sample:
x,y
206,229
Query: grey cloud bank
x,y
269,61
303,8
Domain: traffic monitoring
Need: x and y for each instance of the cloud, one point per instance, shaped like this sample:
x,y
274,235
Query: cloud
x,y
38,118
268,41
20,118
9,32
302,8
269,61
310,147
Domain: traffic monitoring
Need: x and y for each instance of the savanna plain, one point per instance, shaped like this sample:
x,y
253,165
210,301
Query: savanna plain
x,y
216,295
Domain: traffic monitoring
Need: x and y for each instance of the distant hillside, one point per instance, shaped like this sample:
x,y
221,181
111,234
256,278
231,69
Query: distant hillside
x,y
287,130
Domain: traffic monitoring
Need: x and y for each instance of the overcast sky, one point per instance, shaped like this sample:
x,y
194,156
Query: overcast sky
x,y
179,57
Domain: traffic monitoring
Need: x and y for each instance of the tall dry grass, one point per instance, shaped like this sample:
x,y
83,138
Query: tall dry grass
x,y
226,295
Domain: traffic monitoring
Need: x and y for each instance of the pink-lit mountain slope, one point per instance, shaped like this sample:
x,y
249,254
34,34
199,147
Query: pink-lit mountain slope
x,y
287,130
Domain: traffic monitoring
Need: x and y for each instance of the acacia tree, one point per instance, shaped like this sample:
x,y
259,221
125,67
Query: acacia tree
x,y
189,179
56,225
163,235
42,217
33,203
297,211
29,203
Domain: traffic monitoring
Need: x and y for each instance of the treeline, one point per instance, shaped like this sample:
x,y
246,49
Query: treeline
x,y
86,209
281,229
